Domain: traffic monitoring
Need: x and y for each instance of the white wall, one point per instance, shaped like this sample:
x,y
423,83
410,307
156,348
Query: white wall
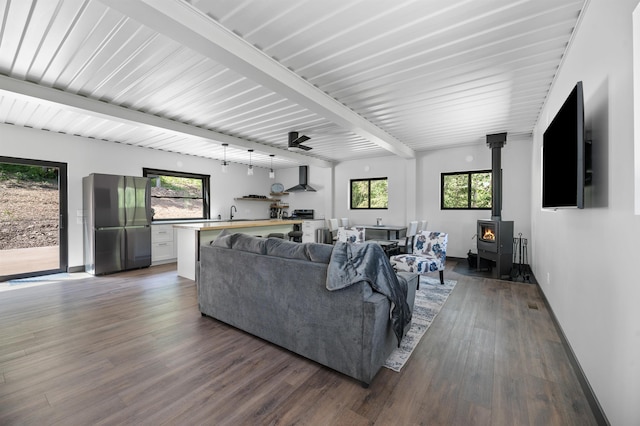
x,y
414,190
461,224
400,174
587,260
318,178
85,156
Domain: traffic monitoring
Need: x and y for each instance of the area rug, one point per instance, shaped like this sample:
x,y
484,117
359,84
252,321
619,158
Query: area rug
x,y
429,300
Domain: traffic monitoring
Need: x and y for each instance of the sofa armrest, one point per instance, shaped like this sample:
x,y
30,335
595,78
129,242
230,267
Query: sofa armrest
x,y
377,335
412,285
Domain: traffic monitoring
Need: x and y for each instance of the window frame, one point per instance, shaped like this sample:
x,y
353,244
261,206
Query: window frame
x,y
469,174
368,180
206,189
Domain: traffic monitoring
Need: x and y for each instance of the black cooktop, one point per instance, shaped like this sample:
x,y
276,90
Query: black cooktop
x,y
301,214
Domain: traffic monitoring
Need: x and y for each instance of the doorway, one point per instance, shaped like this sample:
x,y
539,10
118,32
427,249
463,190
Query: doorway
x,y
33,218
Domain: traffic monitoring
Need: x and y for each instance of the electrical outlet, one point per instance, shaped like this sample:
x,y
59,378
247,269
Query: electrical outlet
x,y
548,278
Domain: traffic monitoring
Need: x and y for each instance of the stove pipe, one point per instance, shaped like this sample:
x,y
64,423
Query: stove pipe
x,y
495,142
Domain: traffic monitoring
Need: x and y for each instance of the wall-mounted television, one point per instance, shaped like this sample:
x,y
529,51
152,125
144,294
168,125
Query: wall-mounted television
x,y
564,155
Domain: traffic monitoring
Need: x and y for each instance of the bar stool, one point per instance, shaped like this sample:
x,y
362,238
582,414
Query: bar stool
x,y
296,233
295,236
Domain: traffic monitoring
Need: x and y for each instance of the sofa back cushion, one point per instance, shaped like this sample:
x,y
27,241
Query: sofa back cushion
x,y
319,253
287,249
239,241
312,252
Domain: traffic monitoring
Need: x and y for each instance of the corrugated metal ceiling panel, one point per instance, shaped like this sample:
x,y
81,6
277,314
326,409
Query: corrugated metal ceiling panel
x,y
430,74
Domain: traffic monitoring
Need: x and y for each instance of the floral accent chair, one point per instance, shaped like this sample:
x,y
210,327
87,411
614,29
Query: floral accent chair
x,y
429,254
351,234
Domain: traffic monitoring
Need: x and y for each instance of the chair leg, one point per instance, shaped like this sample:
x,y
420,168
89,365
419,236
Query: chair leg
x,y
442,277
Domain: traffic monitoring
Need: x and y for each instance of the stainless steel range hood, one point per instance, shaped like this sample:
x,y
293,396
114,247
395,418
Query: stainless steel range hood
x,y
302,182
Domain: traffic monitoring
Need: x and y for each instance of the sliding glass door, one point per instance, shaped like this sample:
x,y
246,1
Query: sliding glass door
x,y
33,218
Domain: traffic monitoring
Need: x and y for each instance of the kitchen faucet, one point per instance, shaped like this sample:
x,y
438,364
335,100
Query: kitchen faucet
x,y
231,212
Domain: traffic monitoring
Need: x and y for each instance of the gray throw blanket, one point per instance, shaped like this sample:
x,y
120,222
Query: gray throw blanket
x,y
352,263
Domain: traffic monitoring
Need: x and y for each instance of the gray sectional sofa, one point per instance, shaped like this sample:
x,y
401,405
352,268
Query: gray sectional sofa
x,y
278,290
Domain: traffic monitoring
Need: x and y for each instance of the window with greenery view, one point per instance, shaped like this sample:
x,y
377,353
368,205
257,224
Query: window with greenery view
x,y
178,195
466,190
369,193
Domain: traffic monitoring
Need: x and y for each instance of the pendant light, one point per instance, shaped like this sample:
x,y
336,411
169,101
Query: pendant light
x,y
272,174
224,162
250,169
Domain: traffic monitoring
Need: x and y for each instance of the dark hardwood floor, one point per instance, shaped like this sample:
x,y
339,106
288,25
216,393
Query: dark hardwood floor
x,y
132,348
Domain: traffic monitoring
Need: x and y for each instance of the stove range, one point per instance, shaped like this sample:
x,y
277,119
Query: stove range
x,y
304,214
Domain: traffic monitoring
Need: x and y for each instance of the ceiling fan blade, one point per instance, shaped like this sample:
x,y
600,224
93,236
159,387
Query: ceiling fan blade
x,y
301,139
295,141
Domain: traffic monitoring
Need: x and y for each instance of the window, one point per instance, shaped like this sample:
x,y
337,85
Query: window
x,y
178,195
466,190
369,193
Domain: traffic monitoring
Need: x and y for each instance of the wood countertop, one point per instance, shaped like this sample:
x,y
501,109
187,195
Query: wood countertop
x,y
209,226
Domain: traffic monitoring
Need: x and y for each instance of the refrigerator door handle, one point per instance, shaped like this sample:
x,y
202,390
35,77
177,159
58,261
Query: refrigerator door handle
x,y
148,202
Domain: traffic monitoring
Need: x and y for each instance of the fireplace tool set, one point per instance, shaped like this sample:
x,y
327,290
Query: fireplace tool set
x,y
520,258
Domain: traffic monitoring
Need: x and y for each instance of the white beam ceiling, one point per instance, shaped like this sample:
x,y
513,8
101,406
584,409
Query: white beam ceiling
x,y
108,111
185,24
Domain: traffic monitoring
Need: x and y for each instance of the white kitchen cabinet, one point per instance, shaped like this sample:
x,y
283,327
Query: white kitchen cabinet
x,y
309,228
163,244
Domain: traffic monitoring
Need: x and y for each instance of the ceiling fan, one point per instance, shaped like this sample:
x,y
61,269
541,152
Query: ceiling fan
x,y
295,142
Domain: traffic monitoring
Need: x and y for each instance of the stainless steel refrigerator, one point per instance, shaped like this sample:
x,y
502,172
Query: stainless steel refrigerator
x,y
117,225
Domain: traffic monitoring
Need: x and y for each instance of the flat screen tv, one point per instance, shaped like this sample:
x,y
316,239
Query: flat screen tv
x,y
564,155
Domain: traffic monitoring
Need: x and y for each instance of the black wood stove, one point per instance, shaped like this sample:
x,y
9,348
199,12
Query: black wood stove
x,y
495,243
495,236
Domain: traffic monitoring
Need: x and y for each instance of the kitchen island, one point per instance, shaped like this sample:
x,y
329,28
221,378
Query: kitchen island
x,y
192,235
